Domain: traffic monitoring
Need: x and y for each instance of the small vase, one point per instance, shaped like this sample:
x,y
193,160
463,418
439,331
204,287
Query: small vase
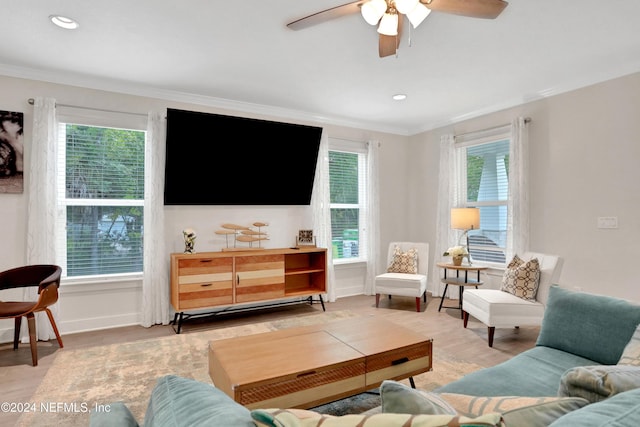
x,y
457,260
189,245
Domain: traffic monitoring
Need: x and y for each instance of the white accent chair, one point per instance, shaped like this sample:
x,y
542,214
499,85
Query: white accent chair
x,y
404,284
499,309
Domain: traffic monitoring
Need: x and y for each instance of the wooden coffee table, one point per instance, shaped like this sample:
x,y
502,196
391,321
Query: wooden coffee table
x,y
307,366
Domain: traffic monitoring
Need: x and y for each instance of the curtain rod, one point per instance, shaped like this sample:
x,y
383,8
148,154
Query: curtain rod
x,y
31,101
462,135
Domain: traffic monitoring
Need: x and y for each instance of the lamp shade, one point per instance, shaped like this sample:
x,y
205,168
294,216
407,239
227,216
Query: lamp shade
x,y
418,14
465,218
405,6
389,24
373,10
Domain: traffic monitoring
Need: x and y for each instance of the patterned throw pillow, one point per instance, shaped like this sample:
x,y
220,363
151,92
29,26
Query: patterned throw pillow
x,y
305,418
515,410
599,382
521,278
631,353
404,262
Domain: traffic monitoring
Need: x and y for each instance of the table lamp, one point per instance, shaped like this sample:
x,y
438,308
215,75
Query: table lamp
x,y
466,219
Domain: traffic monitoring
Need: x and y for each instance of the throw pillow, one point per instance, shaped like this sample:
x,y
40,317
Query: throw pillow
x,y
177,401
400,399
516,410
404,262
598,382
631,353
521,278
305,418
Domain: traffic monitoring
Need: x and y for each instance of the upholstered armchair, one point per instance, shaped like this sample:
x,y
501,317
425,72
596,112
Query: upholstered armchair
x,y
407,267
500,309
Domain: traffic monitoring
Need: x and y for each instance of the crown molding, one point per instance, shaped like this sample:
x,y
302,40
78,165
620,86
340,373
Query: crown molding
x,y
128,88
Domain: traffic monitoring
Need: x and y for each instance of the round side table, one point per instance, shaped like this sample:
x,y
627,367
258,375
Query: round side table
x,y
459,281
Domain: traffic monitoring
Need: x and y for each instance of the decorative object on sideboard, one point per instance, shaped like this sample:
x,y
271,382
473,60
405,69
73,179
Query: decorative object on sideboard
x,y
189,235
242,233
305,238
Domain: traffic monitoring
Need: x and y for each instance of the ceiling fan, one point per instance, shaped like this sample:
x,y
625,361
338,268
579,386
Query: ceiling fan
x,y
387,15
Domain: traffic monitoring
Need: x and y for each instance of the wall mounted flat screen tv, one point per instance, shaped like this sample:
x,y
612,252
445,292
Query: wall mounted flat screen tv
x,y
214,159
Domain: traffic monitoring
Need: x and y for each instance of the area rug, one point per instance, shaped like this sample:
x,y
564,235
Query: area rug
x,y
80,379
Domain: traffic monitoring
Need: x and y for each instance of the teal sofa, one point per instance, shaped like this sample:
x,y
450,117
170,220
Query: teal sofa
x,y
581,341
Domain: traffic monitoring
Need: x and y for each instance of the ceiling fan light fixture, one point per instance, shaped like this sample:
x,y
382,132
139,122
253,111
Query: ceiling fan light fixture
x,y
389,24
406,6
418,14
373,10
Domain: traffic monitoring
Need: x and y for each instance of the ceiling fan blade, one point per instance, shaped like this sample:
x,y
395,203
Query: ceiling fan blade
x,y
326,15
487,9
388,45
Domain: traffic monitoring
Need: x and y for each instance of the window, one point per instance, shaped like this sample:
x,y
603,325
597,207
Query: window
x,y
348,184
101,195
485,185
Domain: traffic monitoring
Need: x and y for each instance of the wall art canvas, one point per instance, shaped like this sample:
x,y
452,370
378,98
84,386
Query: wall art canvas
x,y
11,152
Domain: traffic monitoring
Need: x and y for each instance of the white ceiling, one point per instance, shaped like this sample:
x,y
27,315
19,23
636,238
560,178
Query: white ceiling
x,y
241,55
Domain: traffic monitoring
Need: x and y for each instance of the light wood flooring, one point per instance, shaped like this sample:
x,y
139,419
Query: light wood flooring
x,y
19,380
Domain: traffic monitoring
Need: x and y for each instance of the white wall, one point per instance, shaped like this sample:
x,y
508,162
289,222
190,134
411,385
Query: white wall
x,y
584,160
99,305
585,151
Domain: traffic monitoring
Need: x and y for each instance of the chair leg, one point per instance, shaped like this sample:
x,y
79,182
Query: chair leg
x,y
491,330
377,300
465,318
424,297
16,332
418,304
55,328
31,320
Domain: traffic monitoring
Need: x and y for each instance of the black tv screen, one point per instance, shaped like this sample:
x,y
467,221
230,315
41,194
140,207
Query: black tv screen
x,y
214,159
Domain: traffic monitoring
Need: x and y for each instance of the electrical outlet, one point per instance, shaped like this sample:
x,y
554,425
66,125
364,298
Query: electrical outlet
x,y
607,222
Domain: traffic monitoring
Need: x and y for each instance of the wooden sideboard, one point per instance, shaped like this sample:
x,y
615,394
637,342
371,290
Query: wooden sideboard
x,y
224,279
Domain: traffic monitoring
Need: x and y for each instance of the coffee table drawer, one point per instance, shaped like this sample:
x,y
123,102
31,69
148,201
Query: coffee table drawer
x,y
304,389
399,363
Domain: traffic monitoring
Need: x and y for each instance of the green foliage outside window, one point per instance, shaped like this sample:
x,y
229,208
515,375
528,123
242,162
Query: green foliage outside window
x,y
106,165
344,188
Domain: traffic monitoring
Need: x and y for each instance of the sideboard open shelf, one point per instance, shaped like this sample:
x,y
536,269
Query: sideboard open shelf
x,y
228,280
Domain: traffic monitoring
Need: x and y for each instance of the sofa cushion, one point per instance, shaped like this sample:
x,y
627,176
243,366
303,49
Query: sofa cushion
x,y
631,352
516,410
621,410
534,372
177,401
305,418
521,278
404,262
596,383
595,327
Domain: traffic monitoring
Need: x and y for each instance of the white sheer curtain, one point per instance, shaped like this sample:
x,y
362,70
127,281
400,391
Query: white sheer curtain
x,y
518,211
42,205
155,281
448,197
320,206
373,216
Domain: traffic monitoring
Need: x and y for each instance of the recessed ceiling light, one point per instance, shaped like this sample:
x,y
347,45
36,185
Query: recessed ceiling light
x,y
399,97
64,22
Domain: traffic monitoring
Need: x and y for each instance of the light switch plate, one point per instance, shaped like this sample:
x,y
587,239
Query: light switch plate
x,y
607,222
